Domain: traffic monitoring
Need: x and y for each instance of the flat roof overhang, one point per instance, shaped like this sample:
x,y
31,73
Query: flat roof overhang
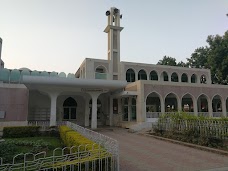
x,y
70,84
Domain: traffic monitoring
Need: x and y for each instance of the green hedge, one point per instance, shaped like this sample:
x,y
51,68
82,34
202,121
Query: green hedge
x,y
20,131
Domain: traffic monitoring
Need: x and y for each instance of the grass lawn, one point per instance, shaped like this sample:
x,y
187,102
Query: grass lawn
x,y
14,146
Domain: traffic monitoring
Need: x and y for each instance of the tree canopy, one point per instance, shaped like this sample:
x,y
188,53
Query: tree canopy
x,y
213,57
167,60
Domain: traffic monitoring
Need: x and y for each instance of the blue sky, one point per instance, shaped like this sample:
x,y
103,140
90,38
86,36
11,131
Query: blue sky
x,y
56,35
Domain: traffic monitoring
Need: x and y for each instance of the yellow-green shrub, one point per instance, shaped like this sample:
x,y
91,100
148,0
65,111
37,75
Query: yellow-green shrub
x,y
72,138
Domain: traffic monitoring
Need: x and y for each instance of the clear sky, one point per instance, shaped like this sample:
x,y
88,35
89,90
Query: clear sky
x,y
56,35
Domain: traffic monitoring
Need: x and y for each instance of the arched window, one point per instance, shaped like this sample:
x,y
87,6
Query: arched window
x,y
193,78
184,78
153,75
100,69
142,75
100,73
69,108
130,75
164,76
174,77
203,79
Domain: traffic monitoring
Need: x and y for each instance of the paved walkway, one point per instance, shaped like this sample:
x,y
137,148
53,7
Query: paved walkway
x,y
141,153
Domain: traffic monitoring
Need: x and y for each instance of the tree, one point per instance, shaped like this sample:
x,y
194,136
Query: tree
x,y
182,64
218,58
214,57
198,58
167,60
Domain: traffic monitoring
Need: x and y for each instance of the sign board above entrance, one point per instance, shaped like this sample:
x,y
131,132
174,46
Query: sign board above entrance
x,y
94,90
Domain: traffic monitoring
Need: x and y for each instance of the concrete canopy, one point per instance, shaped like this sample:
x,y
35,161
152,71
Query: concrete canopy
x,y
71,84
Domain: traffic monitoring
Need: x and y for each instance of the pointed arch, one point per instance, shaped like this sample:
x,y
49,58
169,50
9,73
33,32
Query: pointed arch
x,y
153,75
153,105
69,109
184,78
174,77
142,75
187,102
100,72
164,76
171,102
193,78
130,75
202,104
217,105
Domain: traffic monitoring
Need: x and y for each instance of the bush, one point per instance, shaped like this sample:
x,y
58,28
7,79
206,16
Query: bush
x,y
72,138
20,131
7,150
90,152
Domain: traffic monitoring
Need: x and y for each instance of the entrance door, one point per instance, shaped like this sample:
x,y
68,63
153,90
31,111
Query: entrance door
x,y
69,109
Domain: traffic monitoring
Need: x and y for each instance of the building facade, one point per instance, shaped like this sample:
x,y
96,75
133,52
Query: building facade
x,y
109,92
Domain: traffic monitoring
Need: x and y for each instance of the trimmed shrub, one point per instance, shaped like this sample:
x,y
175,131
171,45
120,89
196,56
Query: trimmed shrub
x,y
89,152
20,131
72,138
7,150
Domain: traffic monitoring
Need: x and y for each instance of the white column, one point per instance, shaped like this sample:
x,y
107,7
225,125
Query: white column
x,y
169,77
179,105
179,78
111,111
53,97
195,107
199,104
162,106
87,99
223,107
94,111
189,78
210,110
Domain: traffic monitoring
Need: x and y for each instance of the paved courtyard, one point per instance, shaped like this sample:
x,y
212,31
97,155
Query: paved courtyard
x,y
142,153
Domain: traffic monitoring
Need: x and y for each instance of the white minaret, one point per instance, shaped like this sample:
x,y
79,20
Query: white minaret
x,y
113,29
0,53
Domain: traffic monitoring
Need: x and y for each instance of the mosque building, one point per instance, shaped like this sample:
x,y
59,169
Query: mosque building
x,y
108,91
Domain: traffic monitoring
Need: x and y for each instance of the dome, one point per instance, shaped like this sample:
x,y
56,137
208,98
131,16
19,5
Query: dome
x,y
24,69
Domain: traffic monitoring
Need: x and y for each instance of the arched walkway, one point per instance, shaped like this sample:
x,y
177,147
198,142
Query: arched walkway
x,y
153,105
217,106
187,104
171,104
202,105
